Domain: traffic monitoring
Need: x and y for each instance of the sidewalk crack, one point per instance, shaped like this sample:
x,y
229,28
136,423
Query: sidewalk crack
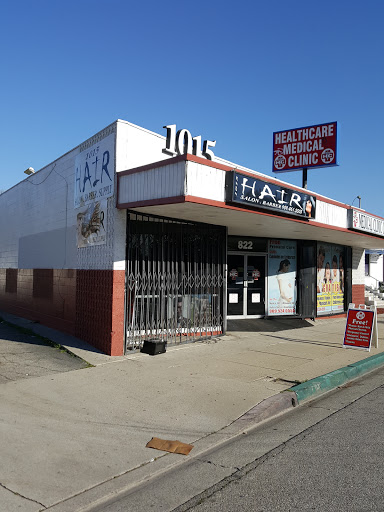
x,y
219,465
21,496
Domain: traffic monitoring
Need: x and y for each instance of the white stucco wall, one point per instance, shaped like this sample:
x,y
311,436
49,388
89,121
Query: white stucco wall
x,y
38,221
358,265
376,268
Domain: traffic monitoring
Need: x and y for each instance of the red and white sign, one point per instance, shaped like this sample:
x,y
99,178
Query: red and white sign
x,y
358,331
311,146
233,274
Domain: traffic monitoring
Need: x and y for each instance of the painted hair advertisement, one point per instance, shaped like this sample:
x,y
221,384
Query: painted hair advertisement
x,y
281,277
91,224
330,278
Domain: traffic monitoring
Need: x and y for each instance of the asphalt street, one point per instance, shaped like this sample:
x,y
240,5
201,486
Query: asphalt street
x,y
325,456
336,465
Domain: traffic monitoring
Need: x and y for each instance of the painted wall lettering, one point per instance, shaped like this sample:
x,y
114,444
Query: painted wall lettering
x,y
95,172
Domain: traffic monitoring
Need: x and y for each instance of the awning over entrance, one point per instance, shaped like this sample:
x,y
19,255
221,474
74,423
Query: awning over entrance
x,y
187,187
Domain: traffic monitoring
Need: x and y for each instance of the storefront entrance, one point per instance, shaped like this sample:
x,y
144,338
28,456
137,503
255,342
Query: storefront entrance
x,y
245,285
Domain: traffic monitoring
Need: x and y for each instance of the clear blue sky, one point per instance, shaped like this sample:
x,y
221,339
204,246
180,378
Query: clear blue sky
x,y
230,71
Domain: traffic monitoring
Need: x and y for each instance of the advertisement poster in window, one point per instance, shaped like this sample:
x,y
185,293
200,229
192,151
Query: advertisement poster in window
x,y
281,277
330,279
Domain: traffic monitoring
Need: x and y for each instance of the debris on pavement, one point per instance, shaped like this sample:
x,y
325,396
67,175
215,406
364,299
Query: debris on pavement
x,y
169,446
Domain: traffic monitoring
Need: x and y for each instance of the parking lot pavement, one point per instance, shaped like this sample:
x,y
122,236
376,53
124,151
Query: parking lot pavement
x,y
24,355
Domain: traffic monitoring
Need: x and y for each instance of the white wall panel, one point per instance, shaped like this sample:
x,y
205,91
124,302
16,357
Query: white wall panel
x,y
205,182
136,146
331,214
161,182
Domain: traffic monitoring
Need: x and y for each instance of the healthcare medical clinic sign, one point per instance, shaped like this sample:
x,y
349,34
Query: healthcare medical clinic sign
x,y
308,147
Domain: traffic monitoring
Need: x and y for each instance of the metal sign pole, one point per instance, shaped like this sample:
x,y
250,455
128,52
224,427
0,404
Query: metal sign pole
x,y
305,183
375,334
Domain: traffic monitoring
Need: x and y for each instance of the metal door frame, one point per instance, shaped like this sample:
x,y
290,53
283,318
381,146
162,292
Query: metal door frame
x,y
245,288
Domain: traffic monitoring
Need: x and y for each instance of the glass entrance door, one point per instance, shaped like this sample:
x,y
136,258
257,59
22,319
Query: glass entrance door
x,y
246,285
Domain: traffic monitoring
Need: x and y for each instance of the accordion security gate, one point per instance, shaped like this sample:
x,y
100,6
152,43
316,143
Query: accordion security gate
x,y
174,280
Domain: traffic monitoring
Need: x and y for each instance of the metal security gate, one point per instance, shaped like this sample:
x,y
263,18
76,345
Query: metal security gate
x,y
174,280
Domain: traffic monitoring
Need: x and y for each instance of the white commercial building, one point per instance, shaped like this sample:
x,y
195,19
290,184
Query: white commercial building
x,y
133,235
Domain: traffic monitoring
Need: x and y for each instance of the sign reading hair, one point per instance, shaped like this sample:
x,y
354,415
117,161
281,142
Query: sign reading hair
x,y
257,193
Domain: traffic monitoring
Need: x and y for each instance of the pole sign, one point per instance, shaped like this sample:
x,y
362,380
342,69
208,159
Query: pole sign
x,y
358,331
257,193
308,147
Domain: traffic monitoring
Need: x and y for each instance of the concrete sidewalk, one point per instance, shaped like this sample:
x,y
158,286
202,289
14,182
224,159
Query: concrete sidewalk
x,y
69,439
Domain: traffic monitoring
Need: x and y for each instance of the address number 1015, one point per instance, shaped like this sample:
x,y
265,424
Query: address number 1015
x,y
181,141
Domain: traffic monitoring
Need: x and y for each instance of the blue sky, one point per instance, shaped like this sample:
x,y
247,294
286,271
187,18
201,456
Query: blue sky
x,y
233,72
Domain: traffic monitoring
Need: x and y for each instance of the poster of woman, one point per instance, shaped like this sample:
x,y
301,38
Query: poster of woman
x,y
330,279
337,286
281,277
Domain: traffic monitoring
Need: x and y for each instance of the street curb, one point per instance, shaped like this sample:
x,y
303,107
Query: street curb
x,y
267,409
319,385
101,494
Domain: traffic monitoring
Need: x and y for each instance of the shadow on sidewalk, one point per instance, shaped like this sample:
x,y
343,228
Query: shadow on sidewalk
x,y
24,354
267,325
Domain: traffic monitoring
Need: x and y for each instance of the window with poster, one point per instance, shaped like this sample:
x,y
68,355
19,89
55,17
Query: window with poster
x,y
330,278
282,294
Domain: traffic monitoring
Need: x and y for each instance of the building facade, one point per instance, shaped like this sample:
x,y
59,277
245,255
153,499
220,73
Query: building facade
x,y
133,235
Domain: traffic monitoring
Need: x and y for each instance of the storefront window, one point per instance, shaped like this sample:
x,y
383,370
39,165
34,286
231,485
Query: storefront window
x,y
330,278
281,277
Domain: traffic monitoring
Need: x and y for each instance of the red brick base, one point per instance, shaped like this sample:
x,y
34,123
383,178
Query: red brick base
x,y
358,294
88,304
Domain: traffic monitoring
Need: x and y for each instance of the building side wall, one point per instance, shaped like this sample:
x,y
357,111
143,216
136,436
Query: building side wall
x,y
376,267
47,296
44,276
38,225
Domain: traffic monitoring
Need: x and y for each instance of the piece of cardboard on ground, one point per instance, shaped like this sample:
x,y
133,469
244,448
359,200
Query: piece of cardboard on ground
x,y
169,446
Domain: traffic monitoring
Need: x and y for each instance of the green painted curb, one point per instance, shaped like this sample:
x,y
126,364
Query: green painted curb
x,y
332,380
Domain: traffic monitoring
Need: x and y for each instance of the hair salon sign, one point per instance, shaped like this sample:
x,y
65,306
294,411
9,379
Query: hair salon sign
x,y
253,192
95,172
